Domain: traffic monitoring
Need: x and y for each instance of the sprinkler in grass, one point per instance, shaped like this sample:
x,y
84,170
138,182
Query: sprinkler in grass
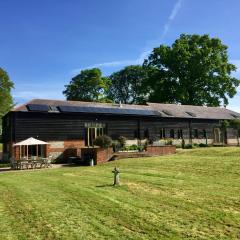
x,y
91,162
116,172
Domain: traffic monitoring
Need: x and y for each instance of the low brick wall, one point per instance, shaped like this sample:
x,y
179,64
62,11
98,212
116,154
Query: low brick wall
x,y
100,155
103,154
161,150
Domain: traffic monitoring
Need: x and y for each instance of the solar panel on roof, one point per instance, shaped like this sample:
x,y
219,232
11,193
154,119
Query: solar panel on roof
x,y
99,110
167,112
191,114
53,108
38,107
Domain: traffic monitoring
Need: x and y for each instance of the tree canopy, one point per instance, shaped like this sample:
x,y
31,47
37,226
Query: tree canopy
x,y
6,100
127,85
89,85
194,70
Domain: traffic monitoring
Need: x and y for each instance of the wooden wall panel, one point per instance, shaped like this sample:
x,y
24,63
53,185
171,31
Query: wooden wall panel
x,y
71,126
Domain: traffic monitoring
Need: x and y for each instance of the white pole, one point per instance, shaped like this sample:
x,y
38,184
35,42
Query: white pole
x,y
27,151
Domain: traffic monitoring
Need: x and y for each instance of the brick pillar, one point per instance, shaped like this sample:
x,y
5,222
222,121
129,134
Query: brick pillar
x,y
16,152
47,150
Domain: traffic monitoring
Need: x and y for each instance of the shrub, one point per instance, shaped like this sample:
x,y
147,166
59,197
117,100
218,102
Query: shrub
x,y
103,141
183,143
133,147
152,139
122,140
169,141
141,148
126,148
203,145
3,165
178,146
188,146
116,146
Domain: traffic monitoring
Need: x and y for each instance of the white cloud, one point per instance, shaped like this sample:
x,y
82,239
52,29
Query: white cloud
x,y
176,8
108,64
171,17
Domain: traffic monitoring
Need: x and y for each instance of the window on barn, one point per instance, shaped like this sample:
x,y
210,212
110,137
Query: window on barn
x,y
195,133
162,133
204,133
172,135
146,133
135,134
180,133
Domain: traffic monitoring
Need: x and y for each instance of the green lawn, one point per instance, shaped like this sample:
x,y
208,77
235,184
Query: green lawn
x,y
194,194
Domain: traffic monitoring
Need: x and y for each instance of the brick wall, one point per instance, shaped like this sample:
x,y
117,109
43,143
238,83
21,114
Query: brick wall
x,y
100,155
65,149
17,153
161,150
103,154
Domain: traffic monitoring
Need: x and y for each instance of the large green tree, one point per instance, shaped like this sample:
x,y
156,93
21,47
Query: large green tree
x,y
6,100
89,85
127,85
194,70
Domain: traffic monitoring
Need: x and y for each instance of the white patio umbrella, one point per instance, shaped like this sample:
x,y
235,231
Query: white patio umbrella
x,y
29,142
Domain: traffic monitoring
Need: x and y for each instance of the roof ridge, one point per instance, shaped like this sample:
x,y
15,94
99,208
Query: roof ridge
x,y
185,105
89,102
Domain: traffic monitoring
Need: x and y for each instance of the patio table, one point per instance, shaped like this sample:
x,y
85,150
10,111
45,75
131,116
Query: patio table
x,y
21,163
31,163
46,162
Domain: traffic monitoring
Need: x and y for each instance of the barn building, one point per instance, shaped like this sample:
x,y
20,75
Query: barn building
x,y
69,126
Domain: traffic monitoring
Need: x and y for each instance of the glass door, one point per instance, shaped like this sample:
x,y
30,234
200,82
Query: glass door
x,y
92,131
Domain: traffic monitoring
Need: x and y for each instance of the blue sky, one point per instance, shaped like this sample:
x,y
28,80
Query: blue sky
x,y
43,44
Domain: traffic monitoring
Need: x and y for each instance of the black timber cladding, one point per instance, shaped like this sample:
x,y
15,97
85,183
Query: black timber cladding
x,y
52,120
63,126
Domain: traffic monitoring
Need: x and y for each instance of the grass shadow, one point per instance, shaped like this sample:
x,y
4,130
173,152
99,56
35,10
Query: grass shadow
x,y
105,185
